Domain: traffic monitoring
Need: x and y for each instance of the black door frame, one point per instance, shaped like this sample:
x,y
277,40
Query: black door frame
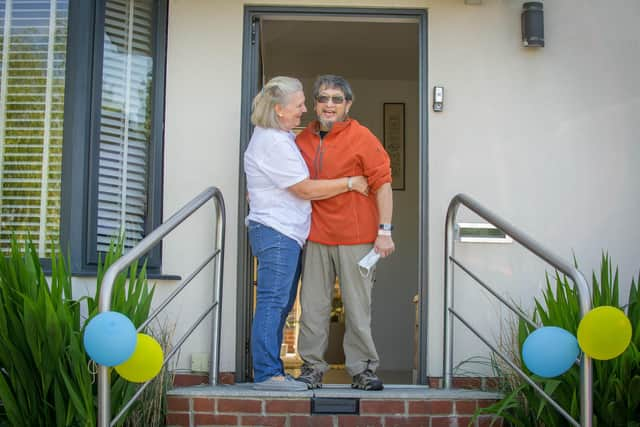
x,y
251,73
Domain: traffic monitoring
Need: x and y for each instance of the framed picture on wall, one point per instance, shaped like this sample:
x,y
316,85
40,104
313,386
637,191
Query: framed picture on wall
x,y
393,131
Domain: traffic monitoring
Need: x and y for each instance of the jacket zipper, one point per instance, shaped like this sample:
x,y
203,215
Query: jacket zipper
x,y
317,160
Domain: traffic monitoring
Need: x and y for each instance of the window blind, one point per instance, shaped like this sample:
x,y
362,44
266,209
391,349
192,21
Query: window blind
x,y
125,127
33,37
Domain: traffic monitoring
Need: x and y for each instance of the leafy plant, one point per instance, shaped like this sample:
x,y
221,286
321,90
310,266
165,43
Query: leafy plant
x,y
616,383
44,371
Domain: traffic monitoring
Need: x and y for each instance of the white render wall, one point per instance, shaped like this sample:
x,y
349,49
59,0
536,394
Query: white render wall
x,y
548,138
545,137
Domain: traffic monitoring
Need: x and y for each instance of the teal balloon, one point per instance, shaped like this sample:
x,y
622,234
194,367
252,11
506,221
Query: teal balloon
x,y
110,338
550,351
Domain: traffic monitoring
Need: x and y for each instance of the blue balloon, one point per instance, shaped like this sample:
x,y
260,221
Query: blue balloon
x,y
550,351
110,338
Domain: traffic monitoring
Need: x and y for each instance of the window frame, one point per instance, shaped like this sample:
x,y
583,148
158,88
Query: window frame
x,y
81,136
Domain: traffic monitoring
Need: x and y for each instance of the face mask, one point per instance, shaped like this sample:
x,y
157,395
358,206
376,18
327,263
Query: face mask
x,y
366,264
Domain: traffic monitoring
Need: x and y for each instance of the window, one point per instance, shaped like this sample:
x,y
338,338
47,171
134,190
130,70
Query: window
x,y
125,121
89,73
481,232
124,169
33,37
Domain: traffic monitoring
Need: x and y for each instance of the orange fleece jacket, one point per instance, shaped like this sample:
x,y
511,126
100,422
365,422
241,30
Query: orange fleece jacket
x,y
349,149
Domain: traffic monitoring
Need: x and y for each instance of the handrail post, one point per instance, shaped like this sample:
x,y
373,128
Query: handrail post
x,y
586,364
104,378
214,369
104,396
447,371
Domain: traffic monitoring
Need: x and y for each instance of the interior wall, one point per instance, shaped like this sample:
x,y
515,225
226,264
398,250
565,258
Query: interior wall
x,y
396,276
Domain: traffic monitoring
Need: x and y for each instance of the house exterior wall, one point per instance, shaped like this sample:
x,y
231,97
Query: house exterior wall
x,y
544,137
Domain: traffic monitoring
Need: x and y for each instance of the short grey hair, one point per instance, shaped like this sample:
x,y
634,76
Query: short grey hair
x,y
330,81
276,92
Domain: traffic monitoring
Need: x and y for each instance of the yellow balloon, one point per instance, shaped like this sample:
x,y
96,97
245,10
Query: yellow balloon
x,y
145,363
604,333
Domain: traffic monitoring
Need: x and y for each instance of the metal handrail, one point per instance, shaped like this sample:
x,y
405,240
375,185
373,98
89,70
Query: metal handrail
x,y
144,246
584,299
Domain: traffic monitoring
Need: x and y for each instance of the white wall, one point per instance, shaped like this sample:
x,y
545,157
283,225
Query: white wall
x,y
202,149
545,137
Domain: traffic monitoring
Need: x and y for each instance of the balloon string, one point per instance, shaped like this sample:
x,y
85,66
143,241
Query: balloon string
x,y
93,370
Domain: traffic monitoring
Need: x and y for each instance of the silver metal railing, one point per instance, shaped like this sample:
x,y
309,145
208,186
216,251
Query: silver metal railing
x,y
144,246
584,297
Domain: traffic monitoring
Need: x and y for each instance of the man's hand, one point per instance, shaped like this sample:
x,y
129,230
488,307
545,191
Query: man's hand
x,y
384,246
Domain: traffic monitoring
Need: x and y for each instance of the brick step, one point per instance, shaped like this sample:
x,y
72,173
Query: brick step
x,y
331,406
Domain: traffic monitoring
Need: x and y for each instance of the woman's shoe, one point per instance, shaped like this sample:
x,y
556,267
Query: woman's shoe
x,y
280,383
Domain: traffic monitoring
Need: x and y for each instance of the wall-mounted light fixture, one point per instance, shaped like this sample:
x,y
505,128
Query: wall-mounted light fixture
x,y
532,21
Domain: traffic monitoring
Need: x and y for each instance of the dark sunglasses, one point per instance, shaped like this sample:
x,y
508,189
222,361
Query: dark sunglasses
x,y
323,99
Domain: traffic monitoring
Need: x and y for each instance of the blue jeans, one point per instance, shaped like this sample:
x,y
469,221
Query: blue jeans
x,y
278,274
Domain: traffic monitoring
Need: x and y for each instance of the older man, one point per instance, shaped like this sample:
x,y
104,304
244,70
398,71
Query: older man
x,y
343,230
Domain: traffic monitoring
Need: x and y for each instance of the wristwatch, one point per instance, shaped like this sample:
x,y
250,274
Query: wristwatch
x,y
386,227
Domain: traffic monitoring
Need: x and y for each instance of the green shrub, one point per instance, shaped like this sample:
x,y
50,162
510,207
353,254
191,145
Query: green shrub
x,y
616,382
45,375
43,366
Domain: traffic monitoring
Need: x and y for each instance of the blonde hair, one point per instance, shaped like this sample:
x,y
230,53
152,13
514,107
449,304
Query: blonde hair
x,y
275,92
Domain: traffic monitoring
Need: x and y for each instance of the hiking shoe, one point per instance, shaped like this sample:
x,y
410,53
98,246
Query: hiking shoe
x,y
367,380
280,383
311,377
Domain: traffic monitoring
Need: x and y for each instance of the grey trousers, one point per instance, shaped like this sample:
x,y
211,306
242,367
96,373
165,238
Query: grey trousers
x,y
321,265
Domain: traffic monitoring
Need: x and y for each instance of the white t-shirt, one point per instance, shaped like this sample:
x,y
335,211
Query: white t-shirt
x,y
273,163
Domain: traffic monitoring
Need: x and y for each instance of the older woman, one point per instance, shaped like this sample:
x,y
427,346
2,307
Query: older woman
x,y
279,220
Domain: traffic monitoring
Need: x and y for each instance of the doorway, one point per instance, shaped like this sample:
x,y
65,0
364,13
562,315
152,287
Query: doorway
x,y
382,53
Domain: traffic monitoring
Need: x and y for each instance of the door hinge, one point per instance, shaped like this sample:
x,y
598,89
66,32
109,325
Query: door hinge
x,y
254,26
